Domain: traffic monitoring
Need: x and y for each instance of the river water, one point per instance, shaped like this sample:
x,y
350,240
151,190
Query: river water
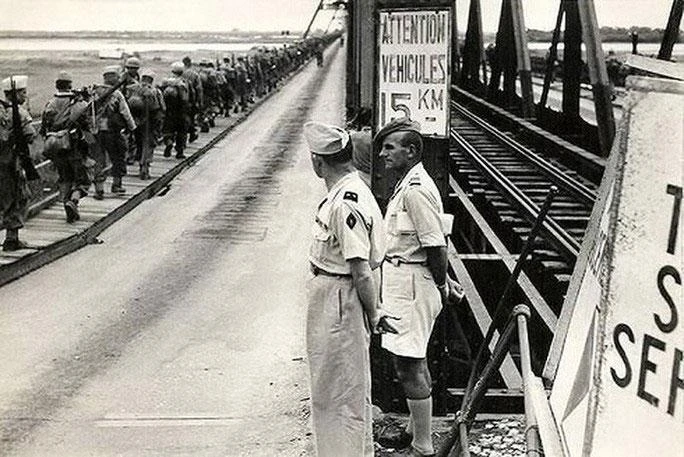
x,y
101,44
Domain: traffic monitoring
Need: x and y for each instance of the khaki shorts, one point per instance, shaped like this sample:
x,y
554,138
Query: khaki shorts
x,y
409,292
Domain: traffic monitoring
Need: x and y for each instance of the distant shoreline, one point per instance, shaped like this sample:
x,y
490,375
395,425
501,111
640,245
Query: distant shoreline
x,y
614,35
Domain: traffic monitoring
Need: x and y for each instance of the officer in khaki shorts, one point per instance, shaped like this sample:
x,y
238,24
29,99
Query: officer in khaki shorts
x,y
414,274
348,243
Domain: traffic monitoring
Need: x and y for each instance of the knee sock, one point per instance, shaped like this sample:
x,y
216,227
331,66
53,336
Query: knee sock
x,y
421,414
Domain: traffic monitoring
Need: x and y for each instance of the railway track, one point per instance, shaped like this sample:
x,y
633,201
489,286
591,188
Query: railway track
x,y
516,180
501,170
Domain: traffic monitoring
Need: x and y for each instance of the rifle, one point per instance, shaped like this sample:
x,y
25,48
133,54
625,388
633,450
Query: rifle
x,y
93,103
20,145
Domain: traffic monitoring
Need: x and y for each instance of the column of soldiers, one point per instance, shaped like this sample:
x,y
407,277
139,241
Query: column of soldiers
x,y
94,133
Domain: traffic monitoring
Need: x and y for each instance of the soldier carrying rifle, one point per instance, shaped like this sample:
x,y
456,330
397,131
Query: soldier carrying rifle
x,y
16,132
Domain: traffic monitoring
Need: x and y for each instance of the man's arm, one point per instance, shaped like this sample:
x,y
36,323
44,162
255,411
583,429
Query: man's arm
x,y
437,264
367,290
365,287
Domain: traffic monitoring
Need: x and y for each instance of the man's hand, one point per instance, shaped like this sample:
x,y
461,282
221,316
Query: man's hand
x,y
380,323
451,292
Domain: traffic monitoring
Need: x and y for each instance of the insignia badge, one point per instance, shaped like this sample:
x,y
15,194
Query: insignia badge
x,y
351,196
351,221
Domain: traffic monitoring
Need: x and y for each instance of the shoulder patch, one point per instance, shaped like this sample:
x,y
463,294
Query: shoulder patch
x,y
349,195
351,221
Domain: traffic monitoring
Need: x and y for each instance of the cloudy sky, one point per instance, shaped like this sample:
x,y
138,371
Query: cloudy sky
x,y
275,15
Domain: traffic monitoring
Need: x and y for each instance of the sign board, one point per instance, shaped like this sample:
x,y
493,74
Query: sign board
x,y
619,383
413,68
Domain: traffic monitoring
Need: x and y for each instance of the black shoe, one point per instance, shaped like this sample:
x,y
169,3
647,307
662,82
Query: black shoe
x,y
99,195
118,190
167,150
180,155
399,440
204,129
71,209
212,123
14,245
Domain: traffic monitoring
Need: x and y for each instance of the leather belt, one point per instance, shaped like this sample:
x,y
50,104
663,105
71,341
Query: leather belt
x,y
396,261
319,271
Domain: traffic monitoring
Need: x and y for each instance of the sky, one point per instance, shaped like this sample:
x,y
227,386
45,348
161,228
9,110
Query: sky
x,y
272,15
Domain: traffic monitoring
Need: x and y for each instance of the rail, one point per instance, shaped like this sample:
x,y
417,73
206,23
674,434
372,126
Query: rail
x,y
559,237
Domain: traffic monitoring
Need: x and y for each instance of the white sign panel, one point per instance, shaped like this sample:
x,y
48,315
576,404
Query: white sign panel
x,y
413,68
619,389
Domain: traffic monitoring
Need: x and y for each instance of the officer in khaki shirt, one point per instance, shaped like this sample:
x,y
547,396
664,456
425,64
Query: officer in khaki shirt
x,y
414,274
348,243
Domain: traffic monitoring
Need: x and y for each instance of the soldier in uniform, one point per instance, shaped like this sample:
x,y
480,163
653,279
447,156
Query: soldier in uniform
x,y
134,99
66,127
13,187
414,275
176,91
148,121
113,118
196,96
348,239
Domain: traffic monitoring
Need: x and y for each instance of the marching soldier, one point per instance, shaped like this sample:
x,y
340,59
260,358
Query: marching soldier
x,y
13,187
65,127
151,116
414,275
134,99
176,91
348,239
196,96
113,118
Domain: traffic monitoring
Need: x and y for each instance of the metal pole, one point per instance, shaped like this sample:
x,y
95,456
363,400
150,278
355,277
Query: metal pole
x,y
532,439
522,53
313,18
512,280
455,52
672,30
553,55
598,74
458,436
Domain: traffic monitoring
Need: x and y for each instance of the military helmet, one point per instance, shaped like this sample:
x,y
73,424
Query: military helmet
x,y
177,67
148,72
132,62
64,76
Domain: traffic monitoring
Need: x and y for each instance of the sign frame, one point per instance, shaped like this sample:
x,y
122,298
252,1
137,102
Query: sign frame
x,y
449,10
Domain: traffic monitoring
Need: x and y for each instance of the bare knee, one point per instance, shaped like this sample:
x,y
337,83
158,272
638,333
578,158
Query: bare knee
x,y
414,377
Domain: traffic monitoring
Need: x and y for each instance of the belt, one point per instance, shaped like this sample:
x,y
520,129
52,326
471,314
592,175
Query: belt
x,y
396,261
319,271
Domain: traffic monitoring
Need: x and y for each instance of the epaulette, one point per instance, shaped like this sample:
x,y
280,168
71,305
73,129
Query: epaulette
x,y
414,182
349,195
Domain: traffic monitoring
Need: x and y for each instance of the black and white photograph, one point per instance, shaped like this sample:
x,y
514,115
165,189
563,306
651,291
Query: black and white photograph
x,y
341,228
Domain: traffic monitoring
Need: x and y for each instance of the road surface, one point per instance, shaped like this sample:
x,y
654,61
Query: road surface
x,y
182,333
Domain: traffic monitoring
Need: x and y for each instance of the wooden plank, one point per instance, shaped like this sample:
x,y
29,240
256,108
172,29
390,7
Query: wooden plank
x,y
541,307
548,432
508,370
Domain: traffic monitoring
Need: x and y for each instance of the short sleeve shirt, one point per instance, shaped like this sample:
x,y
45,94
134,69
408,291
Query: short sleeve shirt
x,y
348,225
414,217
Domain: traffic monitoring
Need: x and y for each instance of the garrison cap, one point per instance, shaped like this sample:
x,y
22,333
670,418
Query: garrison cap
x,y
20,82
111,69
64,76
132,62
361,157
324,139
177,67
148,72
403,124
